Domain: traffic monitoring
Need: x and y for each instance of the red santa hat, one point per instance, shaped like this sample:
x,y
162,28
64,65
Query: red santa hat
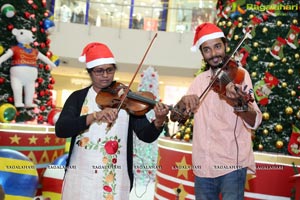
x,y
204,32
95,54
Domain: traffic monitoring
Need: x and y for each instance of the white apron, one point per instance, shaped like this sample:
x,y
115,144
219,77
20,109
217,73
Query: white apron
x,y
98,166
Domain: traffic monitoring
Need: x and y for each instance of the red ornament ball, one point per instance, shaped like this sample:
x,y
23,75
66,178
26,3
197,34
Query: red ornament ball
x,y
47,68
40,80
42,93
10,99
36,44
42,108
34,6
50,87
52,80
10,27
49,54
53,116
2,80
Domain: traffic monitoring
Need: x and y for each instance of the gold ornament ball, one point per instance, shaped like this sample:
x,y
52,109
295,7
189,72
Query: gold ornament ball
x,y
236,37
228,49
265,30
293,93
240,24
278,128
266,116
240,19
265,132
290,71
178,135
279,144
279,23
220,24
253,74
192,121
295,21
288,110
260,147
187,122
223,23
267,50
255,44
297,55
251,16
298,114
1,49
271,64
284,84
229,23
182,128
186,137
188,130
254,58
284,60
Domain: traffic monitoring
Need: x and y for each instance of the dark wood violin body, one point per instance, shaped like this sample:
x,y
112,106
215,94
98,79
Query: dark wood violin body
x,y
230,74
136,103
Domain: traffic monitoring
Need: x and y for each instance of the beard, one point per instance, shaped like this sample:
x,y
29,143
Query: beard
x,y
215,62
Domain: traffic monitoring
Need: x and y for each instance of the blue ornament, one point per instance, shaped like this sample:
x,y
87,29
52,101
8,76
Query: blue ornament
x,y
18,175
62,160
49,25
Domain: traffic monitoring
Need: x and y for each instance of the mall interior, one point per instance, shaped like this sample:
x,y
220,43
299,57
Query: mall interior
x,y
170,25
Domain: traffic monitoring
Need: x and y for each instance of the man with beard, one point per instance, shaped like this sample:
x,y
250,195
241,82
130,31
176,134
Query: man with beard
x,y
222,149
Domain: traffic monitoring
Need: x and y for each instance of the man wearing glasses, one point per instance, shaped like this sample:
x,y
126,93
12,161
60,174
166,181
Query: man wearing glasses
x,y
100,159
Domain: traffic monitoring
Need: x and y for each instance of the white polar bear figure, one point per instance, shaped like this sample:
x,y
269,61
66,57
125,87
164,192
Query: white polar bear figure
x,y
24,69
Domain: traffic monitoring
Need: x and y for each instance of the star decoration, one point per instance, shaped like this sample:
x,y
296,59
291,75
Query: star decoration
x,y
183,168
32,140
180,192
248,178
158,159
15,139
47,139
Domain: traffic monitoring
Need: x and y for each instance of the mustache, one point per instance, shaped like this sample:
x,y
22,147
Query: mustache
x,y
214,57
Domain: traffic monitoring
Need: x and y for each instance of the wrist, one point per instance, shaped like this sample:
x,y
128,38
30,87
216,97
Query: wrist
x,y
159,124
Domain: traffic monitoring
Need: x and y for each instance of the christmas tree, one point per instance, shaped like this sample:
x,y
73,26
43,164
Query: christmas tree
x,y
145,154
31,15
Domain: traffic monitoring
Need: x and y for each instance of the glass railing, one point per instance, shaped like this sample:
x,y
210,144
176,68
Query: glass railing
x,y
148,15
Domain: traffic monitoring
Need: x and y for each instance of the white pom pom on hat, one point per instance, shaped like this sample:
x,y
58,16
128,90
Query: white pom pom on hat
x,y
95,54
204,32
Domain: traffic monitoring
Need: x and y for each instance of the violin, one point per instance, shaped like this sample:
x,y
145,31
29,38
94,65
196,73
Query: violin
x,y
230,74
136,103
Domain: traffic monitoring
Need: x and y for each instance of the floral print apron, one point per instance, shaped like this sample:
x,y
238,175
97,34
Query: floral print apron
x,y
98,166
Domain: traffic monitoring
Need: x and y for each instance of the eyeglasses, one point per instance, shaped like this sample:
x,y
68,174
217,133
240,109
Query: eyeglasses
x,y
100,71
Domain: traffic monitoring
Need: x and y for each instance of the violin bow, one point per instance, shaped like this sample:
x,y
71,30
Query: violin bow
x,y
124,95
137,70
224,65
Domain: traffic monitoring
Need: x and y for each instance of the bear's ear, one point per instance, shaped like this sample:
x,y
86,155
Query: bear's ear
x,y
15,31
